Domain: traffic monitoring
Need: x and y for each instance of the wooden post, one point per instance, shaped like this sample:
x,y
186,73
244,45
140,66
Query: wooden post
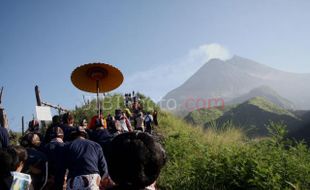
x,y
36,88
23,126
3,118
1,95
39,103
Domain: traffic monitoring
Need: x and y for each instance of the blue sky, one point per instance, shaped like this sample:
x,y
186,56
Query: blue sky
x,y
156,44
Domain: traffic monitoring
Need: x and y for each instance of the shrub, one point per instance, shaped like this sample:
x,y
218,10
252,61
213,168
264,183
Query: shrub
x,y
226,159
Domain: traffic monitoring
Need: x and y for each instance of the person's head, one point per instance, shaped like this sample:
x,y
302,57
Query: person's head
x,y
56,132
135,160
19,156
68,119
96,122
84,123
30,140
56,120
109,117
12,159
79,132
33,125
118,113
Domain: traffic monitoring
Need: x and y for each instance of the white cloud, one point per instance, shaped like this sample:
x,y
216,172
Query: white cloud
x,y
159,80
206,52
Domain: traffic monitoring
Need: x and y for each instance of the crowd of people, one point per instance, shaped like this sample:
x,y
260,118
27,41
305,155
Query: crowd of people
x,y
108,152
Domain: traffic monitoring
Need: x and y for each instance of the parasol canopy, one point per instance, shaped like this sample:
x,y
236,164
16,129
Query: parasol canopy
x,y
96,77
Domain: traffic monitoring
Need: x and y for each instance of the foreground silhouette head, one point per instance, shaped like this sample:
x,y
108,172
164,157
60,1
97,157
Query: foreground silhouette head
x,y
135,160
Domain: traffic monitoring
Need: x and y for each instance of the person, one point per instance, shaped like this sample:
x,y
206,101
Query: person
x,y
155,115
12,162
111,124
54,151
127,113
67,125
33,126
4,137
148,122
96,121
122,123
139,120
55,123
37,163
101,135
144,158
85,162
84,123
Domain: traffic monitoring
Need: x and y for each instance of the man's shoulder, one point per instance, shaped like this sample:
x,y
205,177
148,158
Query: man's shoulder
x,y
92,142
3,130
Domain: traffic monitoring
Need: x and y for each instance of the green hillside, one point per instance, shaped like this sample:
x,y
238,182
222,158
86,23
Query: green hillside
x,y
202,116
253,115
223,157
226,159
268,106
267,93
109,103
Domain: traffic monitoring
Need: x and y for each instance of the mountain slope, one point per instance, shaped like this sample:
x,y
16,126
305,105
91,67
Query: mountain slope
x,y
267,93
256,113
236,77
302,133
202,116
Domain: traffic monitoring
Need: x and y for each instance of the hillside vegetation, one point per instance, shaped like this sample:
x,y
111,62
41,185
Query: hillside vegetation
x,y
252,115
226,159
263,104
221,157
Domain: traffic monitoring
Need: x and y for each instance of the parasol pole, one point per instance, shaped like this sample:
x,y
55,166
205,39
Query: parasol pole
x,y
98,103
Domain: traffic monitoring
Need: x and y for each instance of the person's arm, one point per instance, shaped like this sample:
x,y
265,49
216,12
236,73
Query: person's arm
x,y
4,138
60,169
128,124
102,164
45,174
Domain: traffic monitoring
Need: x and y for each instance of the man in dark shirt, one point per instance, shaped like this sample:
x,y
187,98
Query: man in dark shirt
x,y
101,136
85,161
67,126
4,137
54,151
37,164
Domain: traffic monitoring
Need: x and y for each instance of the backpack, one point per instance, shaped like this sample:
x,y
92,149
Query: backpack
x,y
148,119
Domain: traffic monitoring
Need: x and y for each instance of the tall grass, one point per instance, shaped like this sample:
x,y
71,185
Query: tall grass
x,y
226,159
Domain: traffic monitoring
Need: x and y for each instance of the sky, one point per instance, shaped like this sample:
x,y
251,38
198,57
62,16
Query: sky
x,y
157,44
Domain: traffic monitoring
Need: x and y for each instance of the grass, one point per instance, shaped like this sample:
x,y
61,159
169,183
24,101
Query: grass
x,y
222,157
202,116
226,159
269,106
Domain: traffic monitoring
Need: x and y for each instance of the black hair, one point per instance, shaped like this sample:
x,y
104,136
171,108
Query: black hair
x,y
56,120
28,139
34,126
19,154
11,158
56,132
135,160
67,117
77,132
